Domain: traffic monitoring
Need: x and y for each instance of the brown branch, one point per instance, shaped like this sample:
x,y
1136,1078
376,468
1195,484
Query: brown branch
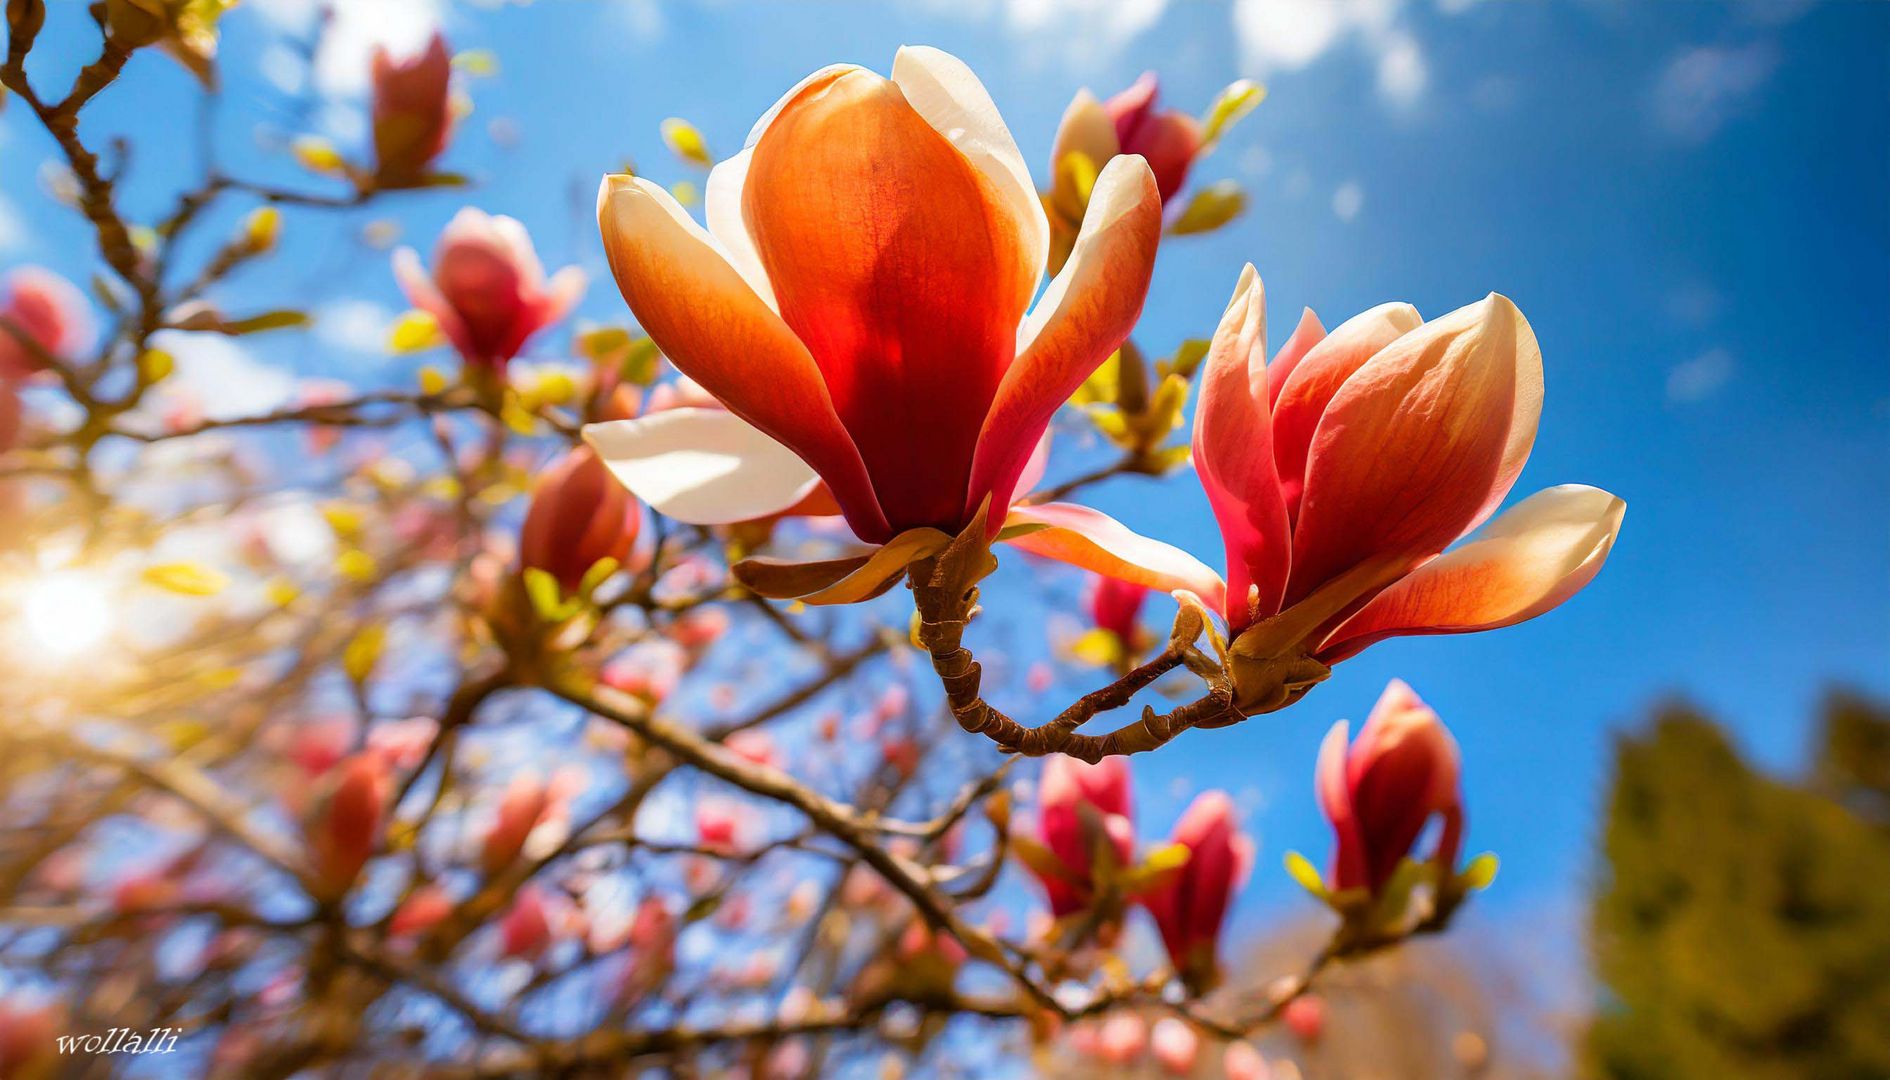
x,y
944,590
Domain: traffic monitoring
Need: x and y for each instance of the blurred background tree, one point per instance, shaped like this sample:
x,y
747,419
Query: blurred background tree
x,y
1741,924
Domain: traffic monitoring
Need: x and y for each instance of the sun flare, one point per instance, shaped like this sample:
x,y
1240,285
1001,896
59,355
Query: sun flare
x,y
65,613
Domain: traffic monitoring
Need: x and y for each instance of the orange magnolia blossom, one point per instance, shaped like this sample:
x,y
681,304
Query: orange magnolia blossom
x,y
858,303
875,359
1341,473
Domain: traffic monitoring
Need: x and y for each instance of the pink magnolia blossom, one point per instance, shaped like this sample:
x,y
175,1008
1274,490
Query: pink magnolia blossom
x,y
412,112
1241,1061
1341,471
1122,1038
1175,1045
526,929
528,803
1082,810
578,517
29,1034
424,909
345,827
1116,606
1305,1017
1128,123
1380,792
46,308
487,290
1191,907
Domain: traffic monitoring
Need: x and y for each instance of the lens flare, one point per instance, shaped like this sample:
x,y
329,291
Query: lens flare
x,y
65,613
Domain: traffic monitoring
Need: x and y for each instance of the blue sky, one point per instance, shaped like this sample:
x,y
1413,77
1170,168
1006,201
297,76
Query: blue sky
x,y
1688,202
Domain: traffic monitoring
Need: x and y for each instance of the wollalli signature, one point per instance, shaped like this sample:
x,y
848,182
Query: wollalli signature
x,y
122,1041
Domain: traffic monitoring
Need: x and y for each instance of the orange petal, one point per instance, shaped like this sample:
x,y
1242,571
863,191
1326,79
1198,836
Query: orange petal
x,y
841,581
900,265
949,96
1316,377
1094,541
713,327
1410,447
1087,311
1538,554
1233,455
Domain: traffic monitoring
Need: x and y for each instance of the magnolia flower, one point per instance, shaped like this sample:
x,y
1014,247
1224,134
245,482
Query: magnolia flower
x,y
1191,905
1175,1045
528,802
526,929
858,304
48,311
1381,791
413,115
1339,474
1305,1017
420,912
1082,813
1116,606
1128,123
579,516
1122,1038
345,827
488,291
1240,1061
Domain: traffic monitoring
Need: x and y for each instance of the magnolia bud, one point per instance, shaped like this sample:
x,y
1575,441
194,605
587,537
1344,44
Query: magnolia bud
x,y
346,825
579,516
413,114
1381,791
1190,907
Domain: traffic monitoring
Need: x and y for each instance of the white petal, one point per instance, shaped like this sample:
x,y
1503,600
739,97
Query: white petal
x,y
1120,188
949,97
702,466
722,205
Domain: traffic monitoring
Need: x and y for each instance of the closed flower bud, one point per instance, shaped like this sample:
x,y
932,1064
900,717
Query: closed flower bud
x,y
526,929
1116,606
578,516
1083,810
1175,1045
420,912
413,114
1169,139
524,804
346,824
1380,792
487,291
45,309
1190,907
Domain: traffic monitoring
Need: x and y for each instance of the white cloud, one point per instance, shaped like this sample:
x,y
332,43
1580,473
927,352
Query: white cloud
x,y
355,29
1703,88
1109,24
1347,201
12,227
355,325
643,18
1079,32
1699,378
1402,72
1285,35
221,378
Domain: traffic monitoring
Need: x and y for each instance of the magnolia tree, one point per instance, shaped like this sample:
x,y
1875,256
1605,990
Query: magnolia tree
x,y
626,712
